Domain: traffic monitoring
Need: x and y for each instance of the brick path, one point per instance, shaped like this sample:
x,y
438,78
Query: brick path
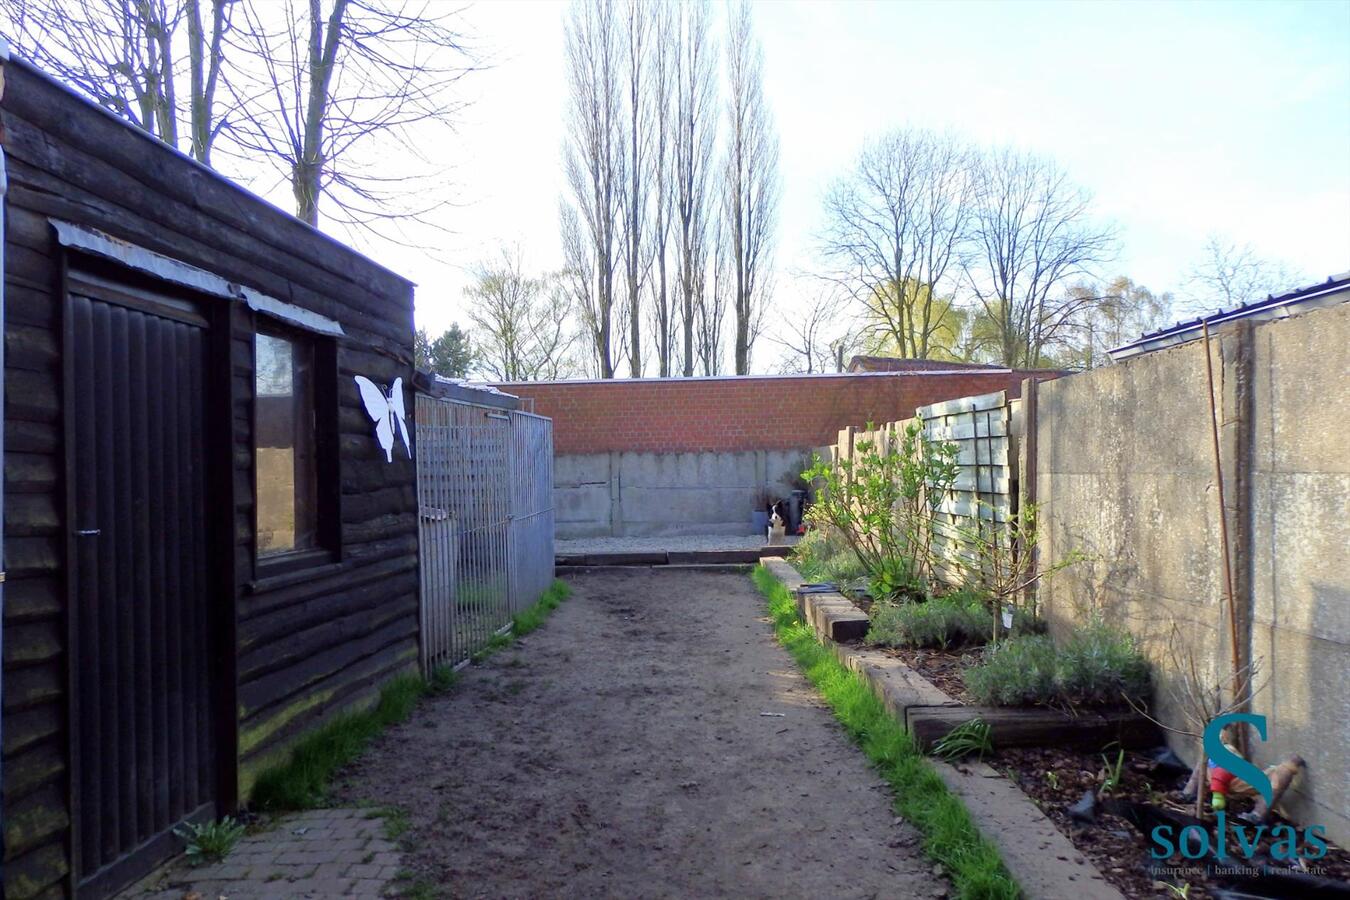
x,y
323,853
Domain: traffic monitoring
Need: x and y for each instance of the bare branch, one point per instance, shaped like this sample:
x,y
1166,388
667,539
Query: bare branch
x,y
750,183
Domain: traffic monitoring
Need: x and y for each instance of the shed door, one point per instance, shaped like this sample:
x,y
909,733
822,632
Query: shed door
x,y
143,714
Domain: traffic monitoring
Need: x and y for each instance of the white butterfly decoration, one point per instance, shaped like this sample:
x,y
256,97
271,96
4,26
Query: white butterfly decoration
x,y
386,411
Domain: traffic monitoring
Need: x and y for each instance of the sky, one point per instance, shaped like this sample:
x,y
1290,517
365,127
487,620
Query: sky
x,y
1182,119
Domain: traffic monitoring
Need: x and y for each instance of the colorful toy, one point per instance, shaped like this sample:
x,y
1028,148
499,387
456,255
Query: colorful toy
x,y
1219,781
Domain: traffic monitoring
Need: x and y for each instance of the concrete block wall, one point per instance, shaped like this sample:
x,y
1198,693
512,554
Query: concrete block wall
x,y
653,494
1124,472
1300,535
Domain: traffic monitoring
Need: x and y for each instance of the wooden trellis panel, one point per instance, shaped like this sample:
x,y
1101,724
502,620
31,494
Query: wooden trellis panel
x,y
984,495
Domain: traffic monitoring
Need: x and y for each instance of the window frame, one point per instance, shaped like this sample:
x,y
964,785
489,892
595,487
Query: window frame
x,y
327,523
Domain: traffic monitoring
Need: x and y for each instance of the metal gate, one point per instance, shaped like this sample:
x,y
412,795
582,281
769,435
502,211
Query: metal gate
x,y
485,513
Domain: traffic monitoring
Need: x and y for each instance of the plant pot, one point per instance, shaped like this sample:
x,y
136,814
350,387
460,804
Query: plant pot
x,y
759,522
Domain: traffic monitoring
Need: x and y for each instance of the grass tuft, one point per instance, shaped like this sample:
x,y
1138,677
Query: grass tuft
x,y
442,679
302,781
822,556
963,740
208,842
527,620
950,837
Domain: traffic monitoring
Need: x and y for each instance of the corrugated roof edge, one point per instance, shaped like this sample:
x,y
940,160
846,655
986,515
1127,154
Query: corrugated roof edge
x,y
1274,306
10,58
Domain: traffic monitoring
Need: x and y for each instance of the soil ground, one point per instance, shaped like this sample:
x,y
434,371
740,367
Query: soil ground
x,y
623,750
1117,848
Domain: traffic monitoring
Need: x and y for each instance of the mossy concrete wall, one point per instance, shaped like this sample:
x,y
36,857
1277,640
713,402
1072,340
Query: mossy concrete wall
x,y
1125,474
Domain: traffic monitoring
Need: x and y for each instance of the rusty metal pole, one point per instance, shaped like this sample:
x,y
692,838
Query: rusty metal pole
x,y
1223,535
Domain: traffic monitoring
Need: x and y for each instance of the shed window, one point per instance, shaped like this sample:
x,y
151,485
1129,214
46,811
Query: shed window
x,y
285,430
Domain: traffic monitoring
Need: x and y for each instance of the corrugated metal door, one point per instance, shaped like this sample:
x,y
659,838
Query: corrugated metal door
x,y
142,713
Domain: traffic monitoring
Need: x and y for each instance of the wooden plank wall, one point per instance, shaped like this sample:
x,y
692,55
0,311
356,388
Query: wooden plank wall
x,y
308,644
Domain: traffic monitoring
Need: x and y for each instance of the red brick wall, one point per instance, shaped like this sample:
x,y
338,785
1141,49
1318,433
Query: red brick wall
x,y
742,413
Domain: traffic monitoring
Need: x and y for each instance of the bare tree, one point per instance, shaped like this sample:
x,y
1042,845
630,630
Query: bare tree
x,y
692,155
1116,313
895,227
1229,275
522,325
750,181
1200,697
662,175
633,159
329,94
1032,236
578,282
806,338
123,55
842,349
710,299
205,58
593,158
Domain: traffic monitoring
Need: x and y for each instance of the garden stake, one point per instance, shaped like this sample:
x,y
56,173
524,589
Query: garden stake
x,y
1223,537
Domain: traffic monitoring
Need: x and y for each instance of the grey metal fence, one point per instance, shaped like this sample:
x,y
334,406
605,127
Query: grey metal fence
x,y
531,540
485,489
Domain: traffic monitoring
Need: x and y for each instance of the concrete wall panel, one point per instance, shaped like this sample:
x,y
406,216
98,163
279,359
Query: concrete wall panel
x,y
653,494
1125,474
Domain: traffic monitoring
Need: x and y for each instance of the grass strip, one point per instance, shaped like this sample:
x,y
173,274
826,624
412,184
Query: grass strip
x,y
301,782
527,620
950,837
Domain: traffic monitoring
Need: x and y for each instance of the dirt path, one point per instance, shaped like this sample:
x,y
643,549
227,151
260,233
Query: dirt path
x,y
620,751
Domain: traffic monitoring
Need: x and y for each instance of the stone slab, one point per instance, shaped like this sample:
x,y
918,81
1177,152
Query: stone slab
x,y
315,854
782,570
1039,857
833,616
895,684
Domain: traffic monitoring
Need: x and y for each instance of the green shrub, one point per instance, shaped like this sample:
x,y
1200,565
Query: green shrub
x,y
821,555
883,496
895,580
1098,666
1017,671
958,620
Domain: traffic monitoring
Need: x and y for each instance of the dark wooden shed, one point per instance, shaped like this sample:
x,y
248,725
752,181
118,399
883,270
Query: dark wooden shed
x,y
207,551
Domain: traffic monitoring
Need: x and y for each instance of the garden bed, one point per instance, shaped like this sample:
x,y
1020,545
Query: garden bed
x,y
1117,848
942,667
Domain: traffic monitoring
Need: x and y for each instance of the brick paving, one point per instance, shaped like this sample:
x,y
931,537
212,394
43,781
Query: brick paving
x,y
325,853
